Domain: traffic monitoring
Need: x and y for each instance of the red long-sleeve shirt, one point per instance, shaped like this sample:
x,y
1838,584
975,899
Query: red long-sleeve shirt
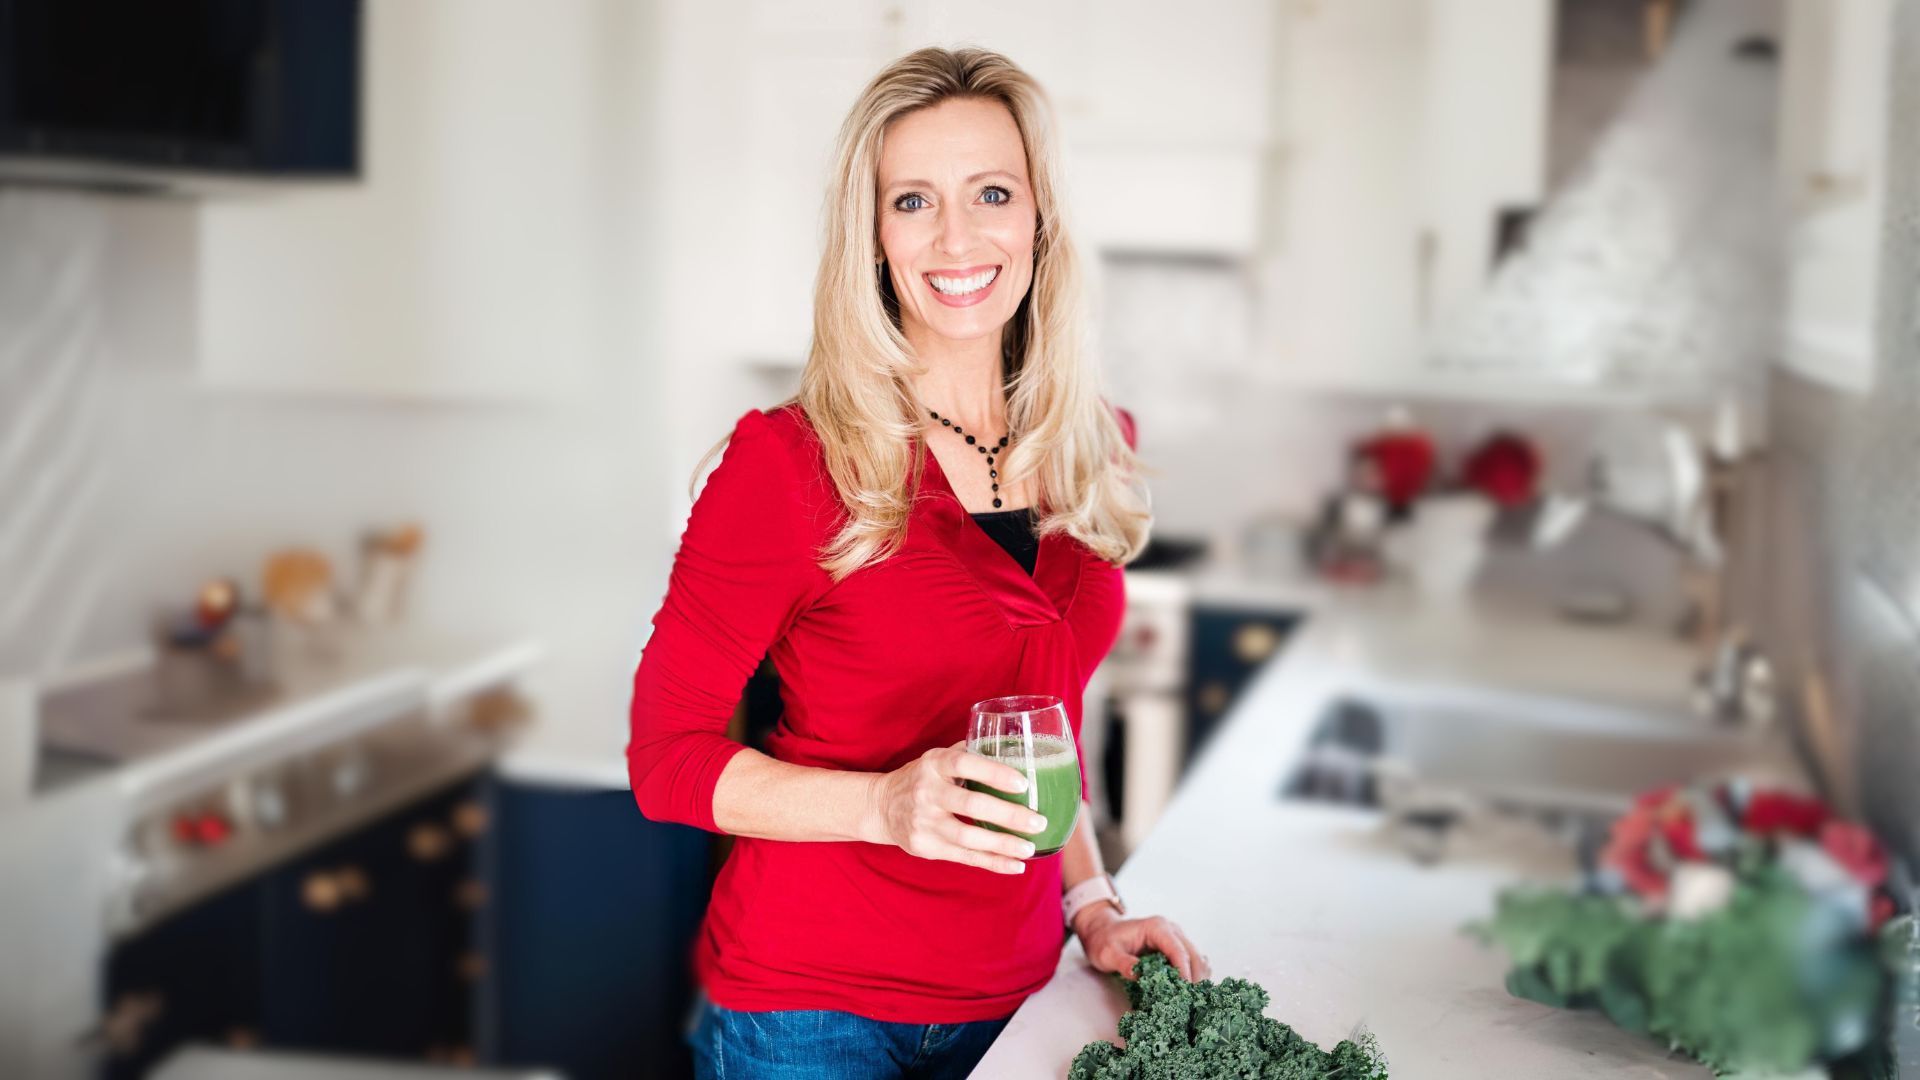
x,y
874,671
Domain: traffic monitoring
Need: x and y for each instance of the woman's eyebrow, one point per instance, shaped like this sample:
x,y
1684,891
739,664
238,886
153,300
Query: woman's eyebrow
x,y
971,179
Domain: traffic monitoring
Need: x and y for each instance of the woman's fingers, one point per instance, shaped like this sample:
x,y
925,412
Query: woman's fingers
x,y
1201,969
1163,935
975,838
986,857
983,807
931,800
962,765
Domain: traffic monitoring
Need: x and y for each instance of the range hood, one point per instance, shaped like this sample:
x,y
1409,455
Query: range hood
x,y
1655,270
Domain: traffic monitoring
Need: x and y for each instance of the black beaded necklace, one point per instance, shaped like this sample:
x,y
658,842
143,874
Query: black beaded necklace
x,y
993,470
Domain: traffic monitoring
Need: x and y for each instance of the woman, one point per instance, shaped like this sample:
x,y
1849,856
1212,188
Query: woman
x,y
936,519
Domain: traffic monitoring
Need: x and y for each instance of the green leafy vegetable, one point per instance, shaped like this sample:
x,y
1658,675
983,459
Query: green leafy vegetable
x,y
1770,983
1211,1031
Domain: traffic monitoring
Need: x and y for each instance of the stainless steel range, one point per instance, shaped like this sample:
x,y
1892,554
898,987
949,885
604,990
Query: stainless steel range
x,y
140,812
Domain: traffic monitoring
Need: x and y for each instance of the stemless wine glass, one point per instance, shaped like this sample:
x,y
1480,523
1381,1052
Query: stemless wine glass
x,y
1030,732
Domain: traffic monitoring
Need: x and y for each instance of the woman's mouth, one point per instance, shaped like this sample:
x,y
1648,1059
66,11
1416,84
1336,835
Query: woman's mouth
x,y
962,288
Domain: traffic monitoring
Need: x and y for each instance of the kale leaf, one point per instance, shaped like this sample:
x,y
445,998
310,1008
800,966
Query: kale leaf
x,y
1771,983
1209,1031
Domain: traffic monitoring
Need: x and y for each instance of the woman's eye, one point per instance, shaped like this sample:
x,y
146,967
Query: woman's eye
x,y
1005,196
902,203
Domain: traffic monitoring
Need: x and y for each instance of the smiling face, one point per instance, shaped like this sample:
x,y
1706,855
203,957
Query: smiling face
x,y
957,219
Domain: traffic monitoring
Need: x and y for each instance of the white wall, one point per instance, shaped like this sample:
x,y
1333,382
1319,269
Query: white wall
x,y
1484,148
1339,294
542,518
465,261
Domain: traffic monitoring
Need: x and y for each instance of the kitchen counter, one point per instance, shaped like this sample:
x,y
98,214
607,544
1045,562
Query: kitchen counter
x,y
1314,903
578,757
77,875
96,728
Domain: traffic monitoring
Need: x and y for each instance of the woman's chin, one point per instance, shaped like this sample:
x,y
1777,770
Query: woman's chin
x,y
966,325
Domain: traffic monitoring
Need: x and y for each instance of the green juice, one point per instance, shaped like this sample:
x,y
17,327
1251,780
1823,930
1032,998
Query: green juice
x,y
1053,785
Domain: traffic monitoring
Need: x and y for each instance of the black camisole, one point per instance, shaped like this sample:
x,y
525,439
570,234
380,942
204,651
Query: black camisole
x,y
1013,530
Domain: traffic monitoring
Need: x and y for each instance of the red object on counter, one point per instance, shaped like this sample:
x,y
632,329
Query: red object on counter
x,y
875,670
212,829
204,829
216,603
1771,812
1856,849
1504,468
1402,462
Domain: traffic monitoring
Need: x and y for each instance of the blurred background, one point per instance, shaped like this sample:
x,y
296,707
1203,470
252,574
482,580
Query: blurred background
x,y
356,355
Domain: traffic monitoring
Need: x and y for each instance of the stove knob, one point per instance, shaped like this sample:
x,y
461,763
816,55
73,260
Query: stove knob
x,y
350,776
269,805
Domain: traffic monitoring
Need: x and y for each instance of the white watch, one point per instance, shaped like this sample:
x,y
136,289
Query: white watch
x,y
1091,891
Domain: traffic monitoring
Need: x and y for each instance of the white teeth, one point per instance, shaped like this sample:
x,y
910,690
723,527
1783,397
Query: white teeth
x,y
965,285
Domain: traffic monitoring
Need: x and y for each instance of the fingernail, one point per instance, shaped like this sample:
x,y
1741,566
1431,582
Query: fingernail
x,y
1020,786
1027,851
1039,823
1019,868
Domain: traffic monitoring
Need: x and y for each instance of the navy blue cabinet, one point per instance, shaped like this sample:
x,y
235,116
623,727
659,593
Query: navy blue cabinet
x,y
366,946
588,929
496,921
196,977
372,940
1227,645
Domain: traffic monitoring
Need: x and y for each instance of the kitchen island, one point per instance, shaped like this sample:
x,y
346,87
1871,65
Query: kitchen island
x,y
1317,904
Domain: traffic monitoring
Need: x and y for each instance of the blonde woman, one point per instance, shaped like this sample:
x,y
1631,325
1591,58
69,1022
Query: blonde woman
x,y
939,517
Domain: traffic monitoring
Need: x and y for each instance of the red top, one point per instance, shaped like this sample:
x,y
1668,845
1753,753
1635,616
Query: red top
x,y
874,671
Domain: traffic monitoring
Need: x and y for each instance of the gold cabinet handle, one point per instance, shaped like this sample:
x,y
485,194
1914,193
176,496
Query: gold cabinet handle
x,y
429,842
1254,642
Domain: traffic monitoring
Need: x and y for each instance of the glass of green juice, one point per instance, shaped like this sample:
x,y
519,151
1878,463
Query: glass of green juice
x,y
1031,733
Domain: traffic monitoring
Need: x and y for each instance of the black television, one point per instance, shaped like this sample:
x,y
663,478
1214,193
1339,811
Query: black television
x,y
259,87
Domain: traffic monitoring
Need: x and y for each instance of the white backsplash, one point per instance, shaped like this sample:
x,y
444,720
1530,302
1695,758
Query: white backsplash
x,y
57,468
126,483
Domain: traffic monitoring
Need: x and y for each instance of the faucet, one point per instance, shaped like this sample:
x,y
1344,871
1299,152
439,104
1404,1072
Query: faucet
x,y
1685,508
1738,685
1674,500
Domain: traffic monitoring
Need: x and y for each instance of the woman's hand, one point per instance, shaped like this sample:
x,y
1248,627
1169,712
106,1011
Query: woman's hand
x,y
1114,943
917,806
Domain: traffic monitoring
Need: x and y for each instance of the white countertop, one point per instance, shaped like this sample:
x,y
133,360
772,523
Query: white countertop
x,y
570,756
315,698
1311,901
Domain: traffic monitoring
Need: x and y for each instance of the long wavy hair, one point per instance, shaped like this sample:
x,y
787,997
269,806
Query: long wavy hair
x,y
857,386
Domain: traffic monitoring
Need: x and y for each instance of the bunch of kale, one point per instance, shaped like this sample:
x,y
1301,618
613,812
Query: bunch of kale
x,y
1205,1030
1773,983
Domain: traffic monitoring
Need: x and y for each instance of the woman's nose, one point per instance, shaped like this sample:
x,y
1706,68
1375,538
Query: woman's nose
x,y
956,232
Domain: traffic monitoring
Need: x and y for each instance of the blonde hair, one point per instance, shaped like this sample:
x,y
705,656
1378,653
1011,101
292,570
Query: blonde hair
x,y
856,387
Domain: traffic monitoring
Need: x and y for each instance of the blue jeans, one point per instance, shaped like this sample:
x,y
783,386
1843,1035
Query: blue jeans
x,y
819,1044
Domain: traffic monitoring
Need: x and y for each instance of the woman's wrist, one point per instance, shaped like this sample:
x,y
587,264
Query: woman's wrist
x,y
870,823
1092,917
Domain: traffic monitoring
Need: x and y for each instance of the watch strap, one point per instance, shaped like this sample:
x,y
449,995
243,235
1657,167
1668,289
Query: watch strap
x,y
1091,891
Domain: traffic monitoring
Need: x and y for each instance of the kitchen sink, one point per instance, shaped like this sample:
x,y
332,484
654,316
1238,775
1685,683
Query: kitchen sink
x,y
1516,751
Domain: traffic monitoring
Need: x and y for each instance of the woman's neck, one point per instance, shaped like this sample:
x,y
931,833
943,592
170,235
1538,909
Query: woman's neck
x,y
963,381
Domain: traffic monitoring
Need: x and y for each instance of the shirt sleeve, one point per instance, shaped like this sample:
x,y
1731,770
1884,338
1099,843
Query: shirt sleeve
x,y
744,573
1128,430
